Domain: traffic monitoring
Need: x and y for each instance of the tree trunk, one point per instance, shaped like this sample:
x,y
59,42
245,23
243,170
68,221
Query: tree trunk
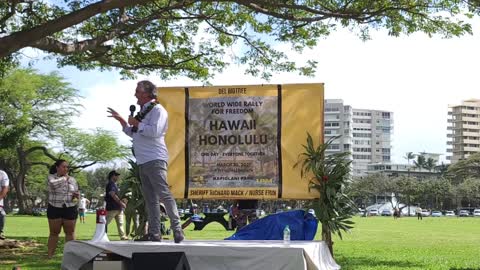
x,y
22,198
20,183
327,237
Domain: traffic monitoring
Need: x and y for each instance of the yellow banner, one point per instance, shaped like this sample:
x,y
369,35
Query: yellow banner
x,y
240,142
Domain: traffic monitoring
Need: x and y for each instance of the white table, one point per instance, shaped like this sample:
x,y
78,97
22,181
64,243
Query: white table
x,y
211,255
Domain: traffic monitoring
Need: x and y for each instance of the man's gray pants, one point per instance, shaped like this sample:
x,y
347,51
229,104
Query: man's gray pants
x,y
153,175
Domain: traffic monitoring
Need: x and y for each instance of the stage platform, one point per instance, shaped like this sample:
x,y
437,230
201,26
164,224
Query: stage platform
x,y
212,255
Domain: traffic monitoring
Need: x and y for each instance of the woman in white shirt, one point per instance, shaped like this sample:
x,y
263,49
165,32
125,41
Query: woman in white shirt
x,y
62,204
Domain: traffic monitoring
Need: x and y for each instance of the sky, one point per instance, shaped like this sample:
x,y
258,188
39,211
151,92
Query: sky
x,y
415,77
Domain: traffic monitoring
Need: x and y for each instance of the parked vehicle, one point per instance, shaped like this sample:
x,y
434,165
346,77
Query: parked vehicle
x,y
436,214
463,213
449,214
386,212
476,213
425,213
373,212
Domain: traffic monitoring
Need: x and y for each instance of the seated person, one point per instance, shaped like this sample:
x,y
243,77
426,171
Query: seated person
x,y
245,212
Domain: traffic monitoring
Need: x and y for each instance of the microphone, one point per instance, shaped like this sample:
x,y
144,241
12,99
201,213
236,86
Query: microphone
x,y
132,110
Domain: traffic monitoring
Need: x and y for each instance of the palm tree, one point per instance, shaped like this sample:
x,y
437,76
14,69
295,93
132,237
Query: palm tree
x,y
420,162
430,164
409,156
329,175
442,169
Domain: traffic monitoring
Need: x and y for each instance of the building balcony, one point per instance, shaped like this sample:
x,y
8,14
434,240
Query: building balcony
x,y
471,119
466,111
476,127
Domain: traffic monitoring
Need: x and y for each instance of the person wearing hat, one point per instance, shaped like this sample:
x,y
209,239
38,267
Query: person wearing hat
x,y
114,205
148,130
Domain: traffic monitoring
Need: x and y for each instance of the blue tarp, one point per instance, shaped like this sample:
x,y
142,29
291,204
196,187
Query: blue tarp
x,y
302,227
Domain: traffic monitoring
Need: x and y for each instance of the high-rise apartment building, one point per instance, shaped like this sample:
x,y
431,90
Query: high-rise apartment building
x,y
366,134
463,130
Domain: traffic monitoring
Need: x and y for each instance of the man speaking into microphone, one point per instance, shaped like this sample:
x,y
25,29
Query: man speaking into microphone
x,y
148,129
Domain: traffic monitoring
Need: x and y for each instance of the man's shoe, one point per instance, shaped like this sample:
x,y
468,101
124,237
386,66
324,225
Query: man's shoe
x,y
149,237
178,236
124,238
2,236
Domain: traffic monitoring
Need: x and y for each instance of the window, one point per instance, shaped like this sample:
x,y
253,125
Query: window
x,y
362,156
362,149
362,121
334,147
362,135
332,109
332,124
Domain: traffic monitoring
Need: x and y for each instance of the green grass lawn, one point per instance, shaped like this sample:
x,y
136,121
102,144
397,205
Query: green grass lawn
x,y
375,243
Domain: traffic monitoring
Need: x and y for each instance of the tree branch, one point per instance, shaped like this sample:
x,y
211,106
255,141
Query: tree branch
x,y
343,13
7,16
124,27
245,38
175,65
21,39
75,168
40,148
40,163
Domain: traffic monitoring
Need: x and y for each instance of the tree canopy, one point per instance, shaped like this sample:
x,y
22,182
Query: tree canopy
x,y
36,112
34,106
194,37
465,168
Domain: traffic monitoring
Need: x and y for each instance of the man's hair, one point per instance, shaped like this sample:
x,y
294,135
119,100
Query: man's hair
x,y
148,87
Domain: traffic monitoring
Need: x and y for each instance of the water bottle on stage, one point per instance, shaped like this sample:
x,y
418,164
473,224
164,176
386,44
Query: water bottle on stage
x,y
286,235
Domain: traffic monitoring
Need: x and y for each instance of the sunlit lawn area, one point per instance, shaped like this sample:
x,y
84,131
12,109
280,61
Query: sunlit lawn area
x,y
375,243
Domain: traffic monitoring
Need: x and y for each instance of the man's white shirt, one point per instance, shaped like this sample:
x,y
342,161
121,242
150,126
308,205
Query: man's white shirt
x,y
149,140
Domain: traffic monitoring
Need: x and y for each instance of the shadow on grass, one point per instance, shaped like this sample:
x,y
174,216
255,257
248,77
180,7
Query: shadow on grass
x,y
31,256
360,263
